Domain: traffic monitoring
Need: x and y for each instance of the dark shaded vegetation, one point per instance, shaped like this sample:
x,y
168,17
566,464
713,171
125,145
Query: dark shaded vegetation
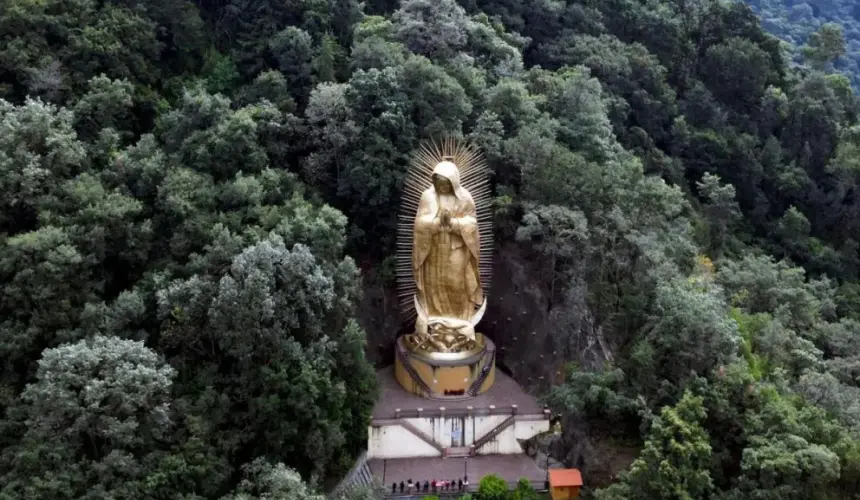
x,y
191,193
813,29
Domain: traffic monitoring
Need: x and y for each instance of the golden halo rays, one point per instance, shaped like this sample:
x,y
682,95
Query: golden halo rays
x,y
474,176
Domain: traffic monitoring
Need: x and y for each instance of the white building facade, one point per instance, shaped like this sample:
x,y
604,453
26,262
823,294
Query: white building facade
x,y
453,435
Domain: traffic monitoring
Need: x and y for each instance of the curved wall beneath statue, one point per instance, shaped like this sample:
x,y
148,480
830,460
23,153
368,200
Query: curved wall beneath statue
x,y
444,379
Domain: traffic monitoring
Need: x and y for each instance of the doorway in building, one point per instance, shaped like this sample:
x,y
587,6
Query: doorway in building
x,y
458,425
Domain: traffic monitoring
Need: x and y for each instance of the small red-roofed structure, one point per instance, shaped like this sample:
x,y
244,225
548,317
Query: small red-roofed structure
x,y
564,483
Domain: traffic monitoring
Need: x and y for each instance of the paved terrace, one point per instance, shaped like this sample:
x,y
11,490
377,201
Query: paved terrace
x,y
509,467
504,393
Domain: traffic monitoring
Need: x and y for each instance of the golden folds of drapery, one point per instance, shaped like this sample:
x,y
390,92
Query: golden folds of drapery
x,y
446,248
446,272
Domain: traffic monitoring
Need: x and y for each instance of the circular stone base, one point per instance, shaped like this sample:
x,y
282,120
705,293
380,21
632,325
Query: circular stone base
x,y
424,375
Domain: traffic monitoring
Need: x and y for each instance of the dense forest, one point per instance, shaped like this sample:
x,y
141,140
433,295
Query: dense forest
x,y
802,23
198,222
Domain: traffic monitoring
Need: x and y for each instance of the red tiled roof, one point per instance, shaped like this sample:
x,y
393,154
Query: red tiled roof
x,y
564,477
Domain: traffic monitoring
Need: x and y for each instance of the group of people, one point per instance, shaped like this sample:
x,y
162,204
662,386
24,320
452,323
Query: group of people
x,y
433,486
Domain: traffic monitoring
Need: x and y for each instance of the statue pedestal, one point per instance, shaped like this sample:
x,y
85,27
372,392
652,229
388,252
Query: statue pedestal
x,y
446,376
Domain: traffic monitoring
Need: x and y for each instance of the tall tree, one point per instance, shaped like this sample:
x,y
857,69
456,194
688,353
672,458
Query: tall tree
x,y
674,461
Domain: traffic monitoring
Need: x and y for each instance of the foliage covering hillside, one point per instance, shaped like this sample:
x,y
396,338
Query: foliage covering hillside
x,y
796,22
191,192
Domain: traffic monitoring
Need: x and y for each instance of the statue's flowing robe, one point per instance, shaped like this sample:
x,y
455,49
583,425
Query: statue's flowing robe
x,y
445,264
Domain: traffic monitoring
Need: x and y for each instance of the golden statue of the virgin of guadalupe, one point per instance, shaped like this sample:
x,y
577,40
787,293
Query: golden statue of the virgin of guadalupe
x,y
446,244
447,248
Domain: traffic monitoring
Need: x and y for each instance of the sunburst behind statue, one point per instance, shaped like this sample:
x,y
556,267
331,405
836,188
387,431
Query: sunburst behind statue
x,y
474,176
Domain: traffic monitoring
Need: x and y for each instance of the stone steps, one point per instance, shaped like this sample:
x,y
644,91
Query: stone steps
x,y
486,438
486,366
359,476
460,452
420,435
407,364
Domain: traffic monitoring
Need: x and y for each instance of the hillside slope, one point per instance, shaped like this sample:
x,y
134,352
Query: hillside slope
x,y
197,231
794,21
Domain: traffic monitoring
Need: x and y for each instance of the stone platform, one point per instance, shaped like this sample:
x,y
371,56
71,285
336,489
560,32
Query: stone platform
x,y
498,400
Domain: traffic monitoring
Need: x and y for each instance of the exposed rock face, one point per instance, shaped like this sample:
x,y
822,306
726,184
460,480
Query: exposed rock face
x,y
535,336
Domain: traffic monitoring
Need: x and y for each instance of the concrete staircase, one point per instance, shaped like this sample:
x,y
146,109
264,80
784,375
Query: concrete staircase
x,y
486,438
359,476
463,451
420,435
488,359
407,364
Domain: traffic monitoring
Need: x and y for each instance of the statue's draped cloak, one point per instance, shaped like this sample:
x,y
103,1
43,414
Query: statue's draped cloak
x,y
445,264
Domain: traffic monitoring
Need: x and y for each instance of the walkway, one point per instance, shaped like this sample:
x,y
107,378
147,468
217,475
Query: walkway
x,y
509,467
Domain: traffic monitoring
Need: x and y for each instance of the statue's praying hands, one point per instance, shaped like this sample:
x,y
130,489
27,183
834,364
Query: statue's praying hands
x,y
446,219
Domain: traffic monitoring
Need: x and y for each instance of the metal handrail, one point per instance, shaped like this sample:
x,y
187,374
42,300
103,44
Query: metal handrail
x,y
351,477
407,364
494,432
463,412
539,486
485,372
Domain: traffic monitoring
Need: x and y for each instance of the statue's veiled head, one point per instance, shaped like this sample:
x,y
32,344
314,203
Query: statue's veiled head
x,y
442,185
446,178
